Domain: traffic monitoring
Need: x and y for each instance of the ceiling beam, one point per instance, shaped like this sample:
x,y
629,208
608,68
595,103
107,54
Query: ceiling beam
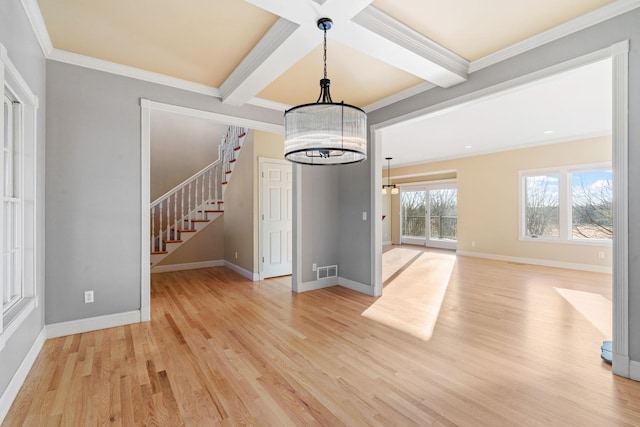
x,y
388,40
357,24
284,44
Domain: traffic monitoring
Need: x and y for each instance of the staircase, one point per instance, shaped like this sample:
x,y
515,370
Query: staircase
x,y
188,208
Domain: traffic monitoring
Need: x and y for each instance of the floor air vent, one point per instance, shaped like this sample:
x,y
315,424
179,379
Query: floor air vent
x,y
327,272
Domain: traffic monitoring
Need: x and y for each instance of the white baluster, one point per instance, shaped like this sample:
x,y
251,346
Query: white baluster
x,y
153,227
204,214
210,179
182,215
168,222
160,229
189,207
175,216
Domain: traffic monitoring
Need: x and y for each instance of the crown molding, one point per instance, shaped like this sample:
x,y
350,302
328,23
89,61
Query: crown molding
x,y
127,71
602,14
268,104
407,93
36,20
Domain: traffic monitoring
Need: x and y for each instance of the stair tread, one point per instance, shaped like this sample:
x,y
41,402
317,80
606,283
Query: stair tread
x,y
199,220
212,210
187,230
233,160
227,172
159,252
236,148
172,241
225,182
242,135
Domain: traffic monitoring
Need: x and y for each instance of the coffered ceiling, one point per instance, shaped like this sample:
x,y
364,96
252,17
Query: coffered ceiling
x,y
271,49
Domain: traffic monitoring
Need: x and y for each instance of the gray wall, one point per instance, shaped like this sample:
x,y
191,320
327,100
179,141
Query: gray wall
x,y
238,210
355,239
600,36
24,51
180,147
93,192
320,219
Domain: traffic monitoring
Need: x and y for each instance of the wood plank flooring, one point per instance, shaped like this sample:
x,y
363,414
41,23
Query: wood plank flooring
x,y
507,349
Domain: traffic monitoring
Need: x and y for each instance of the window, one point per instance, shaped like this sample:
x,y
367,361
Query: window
x,y
567,204
11,204
17,215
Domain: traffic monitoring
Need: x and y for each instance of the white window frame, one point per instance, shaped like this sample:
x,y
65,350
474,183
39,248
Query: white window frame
x,y
25,125
565,203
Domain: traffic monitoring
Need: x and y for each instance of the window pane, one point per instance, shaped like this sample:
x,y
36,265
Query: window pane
x,y
591,205
443,208
542,212
413,213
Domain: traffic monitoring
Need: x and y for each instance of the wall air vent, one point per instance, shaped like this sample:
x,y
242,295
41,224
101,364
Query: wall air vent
x,y
327,272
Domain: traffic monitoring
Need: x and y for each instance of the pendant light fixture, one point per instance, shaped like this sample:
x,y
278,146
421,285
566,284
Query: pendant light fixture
x,y
325,132
394,189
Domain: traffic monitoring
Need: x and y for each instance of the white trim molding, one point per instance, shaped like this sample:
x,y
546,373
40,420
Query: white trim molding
x,y
90,324
634,370
537,261
620,166
145,215
10,393
34,15
597,16
242,271
317,284
187,266
356,286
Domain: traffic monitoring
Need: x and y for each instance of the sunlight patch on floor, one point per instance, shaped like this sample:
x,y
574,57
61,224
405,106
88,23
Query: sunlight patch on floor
x,y
411,302
594,307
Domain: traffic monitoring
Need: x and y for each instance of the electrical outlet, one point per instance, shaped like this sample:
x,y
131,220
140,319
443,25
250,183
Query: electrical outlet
x,y
473,244
314,267
601,255
364,216
88,297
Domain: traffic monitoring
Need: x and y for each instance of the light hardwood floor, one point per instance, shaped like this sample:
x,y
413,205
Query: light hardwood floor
x,y
506,349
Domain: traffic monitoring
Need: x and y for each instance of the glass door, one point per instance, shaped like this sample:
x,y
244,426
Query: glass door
x,y
443,217
413,205
430,216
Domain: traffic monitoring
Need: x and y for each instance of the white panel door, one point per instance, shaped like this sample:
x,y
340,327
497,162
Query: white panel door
x,y
276,192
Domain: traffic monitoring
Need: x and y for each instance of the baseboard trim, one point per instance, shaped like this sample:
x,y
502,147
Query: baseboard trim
x,y
246,273
187,266
634,370
92,324
317,284
388,242
355,286
10,393
535,261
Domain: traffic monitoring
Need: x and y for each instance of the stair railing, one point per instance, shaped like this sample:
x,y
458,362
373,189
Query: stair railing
x,y
178,209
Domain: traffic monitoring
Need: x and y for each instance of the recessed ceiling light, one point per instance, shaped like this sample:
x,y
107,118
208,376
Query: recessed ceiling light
x,y
468,146
547,132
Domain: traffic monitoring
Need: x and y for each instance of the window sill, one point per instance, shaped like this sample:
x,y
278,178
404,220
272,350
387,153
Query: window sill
x,y
15,317
567,242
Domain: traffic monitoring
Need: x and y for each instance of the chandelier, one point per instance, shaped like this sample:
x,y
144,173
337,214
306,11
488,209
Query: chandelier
x,y
325,132
393,187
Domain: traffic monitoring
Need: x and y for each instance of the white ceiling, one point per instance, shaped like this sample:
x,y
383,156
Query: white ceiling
x,y
564,107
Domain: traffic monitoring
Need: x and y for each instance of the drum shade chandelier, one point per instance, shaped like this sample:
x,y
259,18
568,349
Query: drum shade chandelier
x,y
325,132
394,189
